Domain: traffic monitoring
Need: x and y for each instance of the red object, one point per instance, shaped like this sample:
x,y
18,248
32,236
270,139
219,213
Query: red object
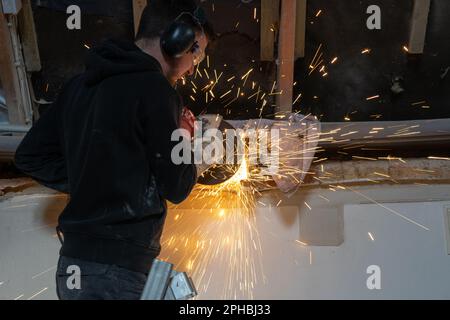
x,y
188,121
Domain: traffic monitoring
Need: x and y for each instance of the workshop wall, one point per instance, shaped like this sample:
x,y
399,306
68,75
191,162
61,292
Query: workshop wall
x,y
342,31
340,28
63,51
234,53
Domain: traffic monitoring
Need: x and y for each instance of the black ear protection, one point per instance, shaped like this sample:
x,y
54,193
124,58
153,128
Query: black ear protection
x,y
179,37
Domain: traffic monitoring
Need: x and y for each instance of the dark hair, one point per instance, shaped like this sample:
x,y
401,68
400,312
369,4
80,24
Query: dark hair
x,y
159,14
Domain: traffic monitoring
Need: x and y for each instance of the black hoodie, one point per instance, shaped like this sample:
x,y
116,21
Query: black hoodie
x,y
107,142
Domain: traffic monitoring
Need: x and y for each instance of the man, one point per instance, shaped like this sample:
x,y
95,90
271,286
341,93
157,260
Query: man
x,y
106,141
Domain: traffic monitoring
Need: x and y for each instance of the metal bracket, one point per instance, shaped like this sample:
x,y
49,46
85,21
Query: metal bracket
x,y
11,6
164,283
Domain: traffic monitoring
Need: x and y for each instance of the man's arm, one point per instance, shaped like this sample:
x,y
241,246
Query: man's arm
x,y
160,120
40,154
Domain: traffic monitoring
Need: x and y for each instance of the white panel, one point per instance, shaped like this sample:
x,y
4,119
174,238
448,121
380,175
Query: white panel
x,y
447,226
414,261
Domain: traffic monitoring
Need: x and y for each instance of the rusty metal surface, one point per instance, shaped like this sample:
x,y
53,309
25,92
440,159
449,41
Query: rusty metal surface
x,y
434,136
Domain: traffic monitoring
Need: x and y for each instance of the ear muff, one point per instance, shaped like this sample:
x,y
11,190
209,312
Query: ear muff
x,y
177,39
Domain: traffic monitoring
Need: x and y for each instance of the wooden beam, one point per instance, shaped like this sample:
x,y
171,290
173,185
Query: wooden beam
x,y
300,29
270,20
29,38
138,7
419,26
286,55
8,74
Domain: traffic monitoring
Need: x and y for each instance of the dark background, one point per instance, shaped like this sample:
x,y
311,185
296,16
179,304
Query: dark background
x,y
341,29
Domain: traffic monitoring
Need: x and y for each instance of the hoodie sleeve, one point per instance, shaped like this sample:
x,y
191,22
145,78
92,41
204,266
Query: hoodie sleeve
x,y
40,153
161,119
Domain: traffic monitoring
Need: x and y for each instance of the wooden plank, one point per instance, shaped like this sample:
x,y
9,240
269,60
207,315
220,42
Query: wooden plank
x,y
286,55
29,38
300,29
419,26
8,74
138,8
270,20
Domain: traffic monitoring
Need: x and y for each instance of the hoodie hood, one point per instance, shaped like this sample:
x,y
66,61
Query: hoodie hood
x,y
115,57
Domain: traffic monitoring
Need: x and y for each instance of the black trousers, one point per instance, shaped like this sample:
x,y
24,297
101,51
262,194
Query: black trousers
x,y
83,280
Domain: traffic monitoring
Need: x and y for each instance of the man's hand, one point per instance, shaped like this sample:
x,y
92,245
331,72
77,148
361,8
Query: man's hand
x,y
188,122
208,122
